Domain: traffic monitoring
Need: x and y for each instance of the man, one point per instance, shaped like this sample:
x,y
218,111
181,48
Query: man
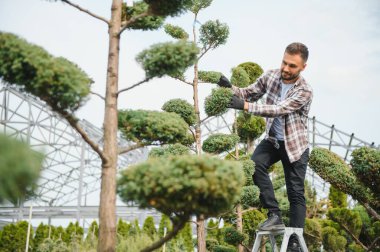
x,y
286,108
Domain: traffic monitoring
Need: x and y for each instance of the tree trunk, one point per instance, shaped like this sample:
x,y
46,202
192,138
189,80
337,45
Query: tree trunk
x,y
250,146
201,234
107,208
239,224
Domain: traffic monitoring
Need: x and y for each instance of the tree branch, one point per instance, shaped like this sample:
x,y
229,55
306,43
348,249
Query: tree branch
x,y
372,246
170,235
74,123
350,233
101,97
131,21
184,81
372,212
204,119
86,11
133,86
207,49
131,148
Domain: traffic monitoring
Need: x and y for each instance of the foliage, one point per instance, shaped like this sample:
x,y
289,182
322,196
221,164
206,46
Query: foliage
x,y
52,245
170,58
332,241
148,227
253,70
211,244
214,232
57,81
240,77
176,32
19,169
209,76
184,185
93,231
152,126
366,166
42,233
332,168
221,248
213,34
196,5
216,103
219,143
313,234
169,150
251,221
167,8
249,196
337,198
187,240
182,108
164,223
249,127
13,237
232,236
143,23
135,243
249,170
73,233
348,218
123,228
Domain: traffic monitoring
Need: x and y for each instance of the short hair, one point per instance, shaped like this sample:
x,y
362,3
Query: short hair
x,y
298,48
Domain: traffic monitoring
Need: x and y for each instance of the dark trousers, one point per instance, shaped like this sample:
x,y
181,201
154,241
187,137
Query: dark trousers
x,y
266,155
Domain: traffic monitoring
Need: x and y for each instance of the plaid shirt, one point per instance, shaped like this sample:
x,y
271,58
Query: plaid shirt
x,y
294,109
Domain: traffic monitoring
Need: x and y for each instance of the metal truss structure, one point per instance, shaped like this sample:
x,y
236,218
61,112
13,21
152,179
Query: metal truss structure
x,y
70,181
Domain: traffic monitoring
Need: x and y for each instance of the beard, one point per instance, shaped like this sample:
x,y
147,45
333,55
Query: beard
x,y
288,77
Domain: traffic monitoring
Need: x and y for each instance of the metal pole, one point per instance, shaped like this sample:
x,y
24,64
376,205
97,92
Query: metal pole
x,y
349,146
80,187
27,237
331,136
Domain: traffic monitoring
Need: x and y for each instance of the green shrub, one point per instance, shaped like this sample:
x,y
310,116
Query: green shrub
x,y
170,58
240,77
143,23
219,143
57,81
253,70
19,169
152,126
366,166
182,108
209,76
185,185
167,8
169,150
176,32
213,34
232,236
216,103
249,127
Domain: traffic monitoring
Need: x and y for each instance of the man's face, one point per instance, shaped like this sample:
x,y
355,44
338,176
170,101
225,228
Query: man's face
x,y
291,67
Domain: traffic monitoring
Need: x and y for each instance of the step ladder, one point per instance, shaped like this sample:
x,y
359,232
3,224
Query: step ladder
x,y
287,232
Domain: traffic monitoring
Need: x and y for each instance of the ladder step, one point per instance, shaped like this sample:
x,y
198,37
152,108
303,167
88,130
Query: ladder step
x,y
287,232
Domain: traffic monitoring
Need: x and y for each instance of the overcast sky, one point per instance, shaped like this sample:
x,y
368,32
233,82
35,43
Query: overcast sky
x,y
343,39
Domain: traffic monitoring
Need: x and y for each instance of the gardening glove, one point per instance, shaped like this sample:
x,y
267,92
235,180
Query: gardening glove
x,y
224,82
236,103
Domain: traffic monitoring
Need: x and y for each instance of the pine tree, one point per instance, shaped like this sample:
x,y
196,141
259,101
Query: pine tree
x,y
149,228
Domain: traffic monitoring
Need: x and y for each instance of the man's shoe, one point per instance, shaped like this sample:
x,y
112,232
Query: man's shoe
x,y
274,222
294,246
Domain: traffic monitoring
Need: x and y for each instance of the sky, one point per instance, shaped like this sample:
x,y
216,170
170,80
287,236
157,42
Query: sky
x,y
343,38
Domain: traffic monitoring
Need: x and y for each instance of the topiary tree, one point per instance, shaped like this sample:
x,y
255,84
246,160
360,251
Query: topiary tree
x,y
123,229
13,237
42,233
338,199
219,143
313,234
65,87
197,187
332,168
19,169
149,228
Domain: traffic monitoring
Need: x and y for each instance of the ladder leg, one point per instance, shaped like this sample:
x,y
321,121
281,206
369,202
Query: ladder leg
x,y
273,243
285,241
257,243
